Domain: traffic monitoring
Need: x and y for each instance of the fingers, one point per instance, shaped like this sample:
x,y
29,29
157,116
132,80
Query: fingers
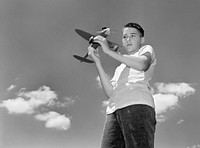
x,y
96,52
99,39
90,50
96,39
93,53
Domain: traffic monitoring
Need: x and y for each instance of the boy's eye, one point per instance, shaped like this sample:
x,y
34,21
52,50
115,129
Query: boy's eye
x,y
131,36
124,37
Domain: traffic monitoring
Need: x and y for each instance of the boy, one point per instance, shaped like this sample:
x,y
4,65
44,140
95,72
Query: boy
x,y
130,120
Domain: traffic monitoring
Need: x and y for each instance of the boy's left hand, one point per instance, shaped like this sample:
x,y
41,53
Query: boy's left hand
x,y
102,41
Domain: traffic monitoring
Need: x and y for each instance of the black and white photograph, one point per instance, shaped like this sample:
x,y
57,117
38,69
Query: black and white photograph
x,y
99,73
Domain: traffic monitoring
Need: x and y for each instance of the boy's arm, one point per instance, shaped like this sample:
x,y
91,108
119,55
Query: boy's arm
x,y
141,63
105,81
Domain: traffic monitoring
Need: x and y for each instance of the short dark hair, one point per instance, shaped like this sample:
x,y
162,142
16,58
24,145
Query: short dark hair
x,y
136,26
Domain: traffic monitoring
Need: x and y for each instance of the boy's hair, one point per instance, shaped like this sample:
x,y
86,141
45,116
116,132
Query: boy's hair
x,y
136,26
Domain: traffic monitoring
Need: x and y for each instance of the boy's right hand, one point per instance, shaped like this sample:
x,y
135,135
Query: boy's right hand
x,y
94,54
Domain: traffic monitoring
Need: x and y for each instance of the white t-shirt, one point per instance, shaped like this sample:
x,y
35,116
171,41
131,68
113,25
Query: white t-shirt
x,y
132,86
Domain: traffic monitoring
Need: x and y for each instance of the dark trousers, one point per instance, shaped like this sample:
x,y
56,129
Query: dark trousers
x,y
130,127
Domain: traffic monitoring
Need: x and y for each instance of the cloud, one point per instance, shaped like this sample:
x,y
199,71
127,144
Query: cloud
x,y
98,82
11,87
178,89
194,146
167,96
67,102
163,102
18,106
180,121
54,120
160,118
27,102
105,103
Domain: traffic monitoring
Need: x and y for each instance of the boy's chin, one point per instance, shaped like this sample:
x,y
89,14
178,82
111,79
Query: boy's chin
x,y
129,49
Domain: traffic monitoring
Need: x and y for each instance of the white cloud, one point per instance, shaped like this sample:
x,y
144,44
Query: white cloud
x,y
167,96
18,106
98,82
163,102
11,87
54,120
161,118
178,89
27,102
41,96
180,121
105,103
67,102
194,146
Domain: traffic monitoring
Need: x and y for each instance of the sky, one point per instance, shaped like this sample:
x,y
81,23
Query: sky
x,y
48,99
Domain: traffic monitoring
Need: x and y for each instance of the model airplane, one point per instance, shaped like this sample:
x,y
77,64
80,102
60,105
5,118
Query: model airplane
x,y
90,38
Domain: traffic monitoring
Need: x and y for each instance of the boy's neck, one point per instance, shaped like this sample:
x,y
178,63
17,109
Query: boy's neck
x,y
135,51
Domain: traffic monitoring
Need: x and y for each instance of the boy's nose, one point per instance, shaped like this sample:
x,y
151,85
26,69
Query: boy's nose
x,y
128,38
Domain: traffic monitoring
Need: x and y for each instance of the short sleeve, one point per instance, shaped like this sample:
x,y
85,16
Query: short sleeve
x,y
147,48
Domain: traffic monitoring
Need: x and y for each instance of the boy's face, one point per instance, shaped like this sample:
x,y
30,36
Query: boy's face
x,y
131,39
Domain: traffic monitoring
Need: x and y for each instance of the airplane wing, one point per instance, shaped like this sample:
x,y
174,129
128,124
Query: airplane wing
x,y
83,59
84,34
87,36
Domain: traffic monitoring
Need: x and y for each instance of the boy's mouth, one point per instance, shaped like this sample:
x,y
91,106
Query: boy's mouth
x,y
129,45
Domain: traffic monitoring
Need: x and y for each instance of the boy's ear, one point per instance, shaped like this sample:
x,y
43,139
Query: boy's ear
x,y
142,40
